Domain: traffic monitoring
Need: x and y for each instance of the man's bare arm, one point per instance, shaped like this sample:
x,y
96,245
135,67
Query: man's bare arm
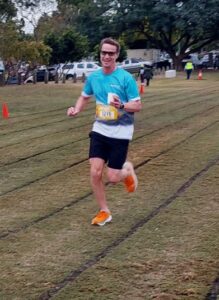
x,y
79,106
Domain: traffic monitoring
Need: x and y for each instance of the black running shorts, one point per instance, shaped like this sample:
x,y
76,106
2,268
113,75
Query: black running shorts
x,y
112,151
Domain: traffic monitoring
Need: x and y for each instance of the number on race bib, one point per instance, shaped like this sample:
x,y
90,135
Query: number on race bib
x,y
106,112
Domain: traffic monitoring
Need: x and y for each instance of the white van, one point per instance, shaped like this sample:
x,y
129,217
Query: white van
x,y
78,68
2,67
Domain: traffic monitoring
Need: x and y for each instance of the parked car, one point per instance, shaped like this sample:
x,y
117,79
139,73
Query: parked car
x,y
52,72
194,58
11,80
78,68
40,75
2,67
216,62
133,65
2,70
208,60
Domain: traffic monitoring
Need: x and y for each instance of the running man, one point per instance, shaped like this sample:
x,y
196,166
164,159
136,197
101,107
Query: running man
x,y
117,99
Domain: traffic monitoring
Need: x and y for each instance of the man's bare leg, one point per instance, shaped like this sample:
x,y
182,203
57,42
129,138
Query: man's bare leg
x,y
96,178
126,174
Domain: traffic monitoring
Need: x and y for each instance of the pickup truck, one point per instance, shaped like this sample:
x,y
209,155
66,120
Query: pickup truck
x,y
133,65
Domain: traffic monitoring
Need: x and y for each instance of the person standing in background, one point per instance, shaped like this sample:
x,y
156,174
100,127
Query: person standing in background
x,y
189,68
148,74
141,74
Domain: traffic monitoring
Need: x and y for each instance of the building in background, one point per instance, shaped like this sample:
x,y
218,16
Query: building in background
x,y
152,55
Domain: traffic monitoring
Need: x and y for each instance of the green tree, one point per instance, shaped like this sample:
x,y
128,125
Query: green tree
x,y
9,35
68,46
7,10
35,52
50,24
88,17
15,46
53,41
8,28
178,27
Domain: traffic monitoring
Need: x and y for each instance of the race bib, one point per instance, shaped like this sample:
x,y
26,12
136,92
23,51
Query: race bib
x,y
106,112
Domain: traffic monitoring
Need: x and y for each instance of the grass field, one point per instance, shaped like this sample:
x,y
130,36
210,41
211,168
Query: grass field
x,y
163,243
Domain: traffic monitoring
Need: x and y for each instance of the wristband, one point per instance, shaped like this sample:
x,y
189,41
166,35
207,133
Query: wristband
x,y
121,106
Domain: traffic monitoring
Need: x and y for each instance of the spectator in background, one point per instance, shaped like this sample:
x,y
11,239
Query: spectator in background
x,y
141,74
189,68
148,74
216,62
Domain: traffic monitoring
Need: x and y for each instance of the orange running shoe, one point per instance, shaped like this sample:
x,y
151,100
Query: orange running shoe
x,y
102,218
131,181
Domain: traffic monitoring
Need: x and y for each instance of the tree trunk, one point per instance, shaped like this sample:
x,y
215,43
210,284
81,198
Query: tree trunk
x,y
177,63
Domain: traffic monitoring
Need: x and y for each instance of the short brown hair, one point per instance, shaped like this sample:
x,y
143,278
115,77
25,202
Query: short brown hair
x,y
111,42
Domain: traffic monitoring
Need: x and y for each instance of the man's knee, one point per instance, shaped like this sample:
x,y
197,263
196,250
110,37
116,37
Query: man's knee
x,y
113,176
95,173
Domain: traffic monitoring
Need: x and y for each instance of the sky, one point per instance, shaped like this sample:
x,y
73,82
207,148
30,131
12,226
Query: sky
x,y
31,17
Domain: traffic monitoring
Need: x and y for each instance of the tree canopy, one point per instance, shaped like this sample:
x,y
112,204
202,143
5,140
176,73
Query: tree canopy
x,y
7,10
68,46
15,44
178,27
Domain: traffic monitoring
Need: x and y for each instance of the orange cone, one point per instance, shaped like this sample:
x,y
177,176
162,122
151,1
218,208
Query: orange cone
x,y
200,75
5,112
141,91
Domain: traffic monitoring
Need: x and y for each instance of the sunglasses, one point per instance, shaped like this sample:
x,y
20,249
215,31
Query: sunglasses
x,y
110,53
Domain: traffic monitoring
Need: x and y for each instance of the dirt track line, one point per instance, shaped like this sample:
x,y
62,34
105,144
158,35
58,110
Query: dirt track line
x,y
41,136
82,116
214,291
177,122
42,152
45,176
45,217
84,159
43,125
40,113
37,113
80,126
62,108
73,275
45,112
54,212
73,142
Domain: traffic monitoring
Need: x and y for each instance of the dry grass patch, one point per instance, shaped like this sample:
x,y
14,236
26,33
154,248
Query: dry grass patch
x,y
46,203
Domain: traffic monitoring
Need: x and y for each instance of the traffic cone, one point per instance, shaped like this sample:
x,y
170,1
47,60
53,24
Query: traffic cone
x,y
141,91
5,112
200,75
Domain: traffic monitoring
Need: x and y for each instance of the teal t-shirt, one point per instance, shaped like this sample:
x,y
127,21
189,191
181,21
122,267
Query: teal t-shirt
x,y
119,82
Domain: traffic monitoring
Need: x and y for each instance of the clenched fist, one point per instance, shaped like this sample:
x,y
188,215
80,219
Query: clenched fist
x,y
72,111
